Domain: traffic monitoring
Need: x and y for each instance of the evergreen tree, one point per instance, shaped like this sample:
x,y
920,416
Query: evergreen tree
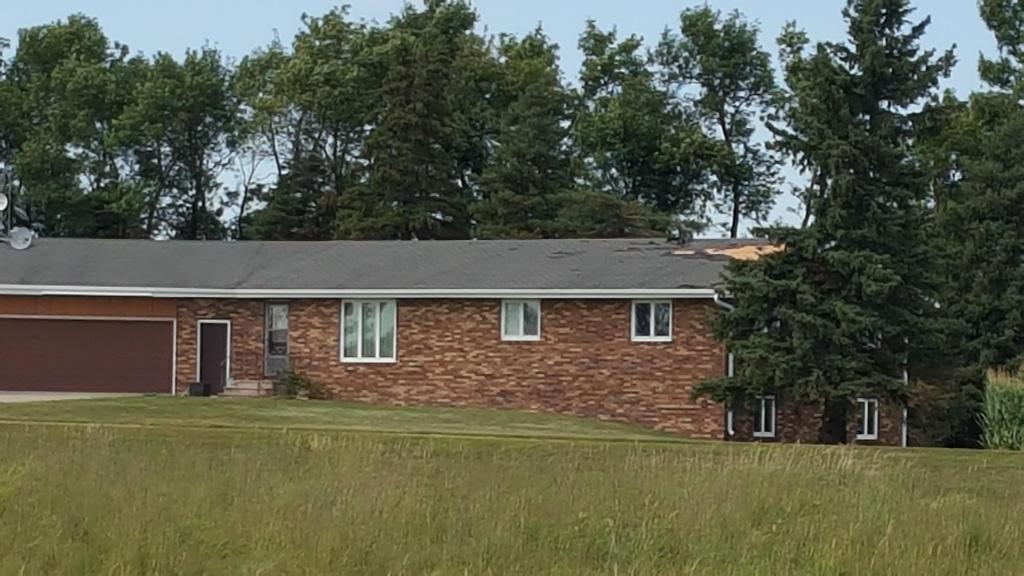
x,y
979,167
836,313
301,205
531,164
416,186
583,213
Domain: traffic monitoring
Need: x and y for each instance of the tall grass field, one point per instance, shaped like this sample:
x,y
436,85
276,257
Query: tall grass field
x,y
118,499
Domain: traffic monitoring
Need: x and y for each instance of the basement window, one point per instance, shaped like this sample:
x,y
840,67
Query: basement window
x,y
520,320
276,339
368,331
867,419
764,418
652,321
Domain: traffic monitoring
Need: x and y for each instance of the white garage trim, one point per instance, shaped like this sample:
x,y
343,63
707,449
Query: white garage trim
x,y
174,358
172,321
92,318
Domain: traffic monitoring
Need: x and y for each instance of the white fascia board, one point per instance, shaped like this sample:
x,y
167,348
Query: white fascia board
x,y
442,293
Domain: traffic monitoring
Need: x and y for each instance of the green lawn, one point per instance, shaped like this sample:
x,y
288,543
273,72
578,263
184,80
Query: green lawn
x,y
278,414
202,488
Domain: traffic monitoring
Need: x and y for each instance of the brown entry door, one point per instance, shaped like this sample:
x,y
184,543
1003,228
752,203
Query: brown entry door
x,y
72,355
213,355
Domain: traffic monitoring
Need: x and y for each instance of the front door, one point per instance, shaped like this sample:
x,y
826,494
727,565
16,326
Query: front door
x,y
213,355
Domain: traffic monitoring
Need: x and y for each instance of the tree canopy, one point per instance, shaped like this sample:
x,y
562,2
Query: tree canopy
x,y
420,127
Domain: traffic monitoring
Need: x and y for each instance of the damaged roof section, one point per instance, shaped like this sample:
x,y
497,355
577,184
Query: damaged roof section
x,y
733,248
485,265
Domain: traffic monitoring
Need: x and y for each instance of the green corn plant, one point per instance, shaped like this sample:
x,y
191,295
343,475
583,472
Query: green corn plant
x,y
1003,420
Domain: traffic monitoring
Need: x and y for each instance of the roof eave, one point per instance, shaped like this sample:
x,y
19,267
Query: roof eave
x,y
317,293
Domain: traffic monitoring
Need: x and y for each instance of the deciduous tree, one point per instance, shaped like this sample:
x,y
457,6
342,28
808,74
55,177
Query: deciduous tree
x,y
65,89
179,128
717,66
633,141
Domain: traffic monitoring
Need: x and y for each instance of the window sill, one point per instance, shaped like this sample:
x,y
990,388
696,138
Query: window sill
x,y
652,340
764,434
520,338
369,361
867,437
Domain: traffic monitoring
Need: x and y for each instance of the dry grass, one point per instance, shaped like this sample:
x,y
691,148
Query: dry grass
x,y
102,500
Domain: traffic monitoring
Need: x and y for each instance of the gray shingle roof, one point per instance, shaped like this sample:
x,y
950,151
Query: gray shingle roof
x,y
384,265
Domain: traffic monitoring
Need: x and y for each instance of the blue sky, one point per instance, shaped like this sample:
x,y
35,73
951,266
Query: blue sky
x,y
237,26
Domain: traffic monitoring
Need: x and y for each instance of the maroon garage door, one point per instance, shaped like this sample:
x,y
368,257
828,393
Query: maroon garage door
x,y
86,355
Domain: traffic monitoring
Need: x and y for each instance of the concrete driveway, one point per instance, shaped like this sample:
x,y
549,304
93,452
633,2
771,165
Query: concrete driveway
x,y
18,397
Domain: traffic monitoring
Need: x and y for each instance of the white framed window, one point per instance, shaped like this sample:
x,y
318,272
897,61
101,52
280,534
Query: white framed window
x,y
652,321
867,419
764,418
368,330
520,320
276,333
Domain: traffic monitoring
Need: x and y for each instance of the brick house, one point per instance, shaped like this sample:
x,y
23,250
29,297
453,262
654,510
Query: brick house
x,y
611,329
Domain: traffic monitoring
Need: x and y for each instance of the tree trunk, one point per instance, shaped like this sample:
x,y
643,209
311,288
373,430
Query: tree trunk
x,y
815,189
833,421
734,229
239,231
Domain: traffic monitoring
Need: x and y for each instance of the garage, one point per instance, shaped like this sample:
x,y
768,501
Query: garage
x,y
86,355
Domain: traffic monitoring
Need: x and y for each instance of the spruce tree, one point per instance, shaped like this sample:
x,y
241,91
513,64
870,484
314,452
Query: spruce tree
x,y
531,165
835,313
415,187
979,163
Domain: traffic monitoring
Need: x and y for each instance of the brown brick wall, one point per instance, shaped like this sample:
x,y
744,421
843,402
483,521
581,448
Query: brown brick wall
x,y
801,422
793,423
246,318
450,352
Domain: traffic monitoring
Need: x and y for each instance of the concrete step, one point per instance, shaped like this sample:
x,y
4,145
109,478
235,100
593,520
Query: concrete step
x,y
253,385
249,388
243,393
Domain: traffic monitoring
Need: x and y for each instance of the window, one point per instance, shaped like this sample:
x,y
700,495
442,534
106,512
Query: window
x,y
652,321
867,419
764,419
276,345
520,320
368,331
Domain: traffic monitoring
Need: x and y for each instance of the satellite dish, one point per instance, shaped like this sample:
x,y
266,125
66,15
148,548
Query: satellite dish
x,y
20,238
3,202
